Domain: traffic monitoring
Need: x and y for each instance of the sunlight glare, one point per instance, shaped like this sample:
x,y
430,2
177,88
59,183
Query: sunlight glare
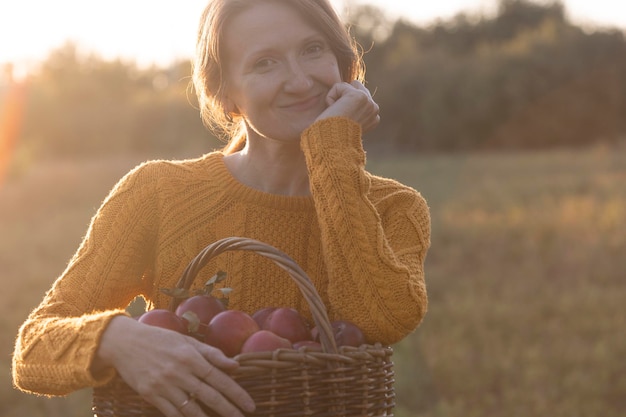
x,y
12,100
147,31
161,31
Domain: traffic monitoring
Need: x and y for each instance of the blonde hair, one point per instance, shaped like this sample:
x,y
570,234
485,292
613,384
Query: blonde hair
x,y
208,78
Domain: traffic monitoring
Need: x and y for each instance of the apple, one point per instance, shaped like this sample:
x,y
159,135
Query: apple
x,y
308,345
345,333
288,323
264,341
261,315
228,331
166,319
197,311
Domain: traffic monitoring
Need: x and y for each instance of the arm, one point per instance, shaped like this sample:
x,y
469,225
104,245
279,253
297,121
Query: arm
x,y
80,335
59,339
375,232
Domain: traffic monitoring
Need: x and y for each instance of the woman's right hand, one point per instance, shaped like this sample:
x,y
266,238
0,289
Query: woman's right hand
x,y
352,100
172,371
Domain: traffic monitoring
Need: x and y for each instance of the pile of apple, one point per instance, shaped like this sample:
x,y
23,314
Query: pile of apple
x,y
208,319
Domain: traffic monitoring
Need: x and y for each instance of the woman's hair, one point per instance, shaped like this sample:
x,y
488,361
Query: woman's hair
x,y
208,65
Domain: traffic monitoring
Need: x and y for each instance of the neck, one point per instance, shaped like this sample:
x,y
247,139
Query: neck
x,y
276,168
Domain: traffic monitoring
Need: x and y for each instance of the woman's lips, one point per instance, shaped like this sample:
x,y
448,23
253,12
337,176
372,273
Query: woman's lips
x,y
304,105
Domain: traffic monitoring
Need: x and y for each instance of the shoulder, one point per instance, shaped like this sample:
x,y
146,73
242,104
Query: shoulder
x,y
391,195
161,167
164,170
383,187
159,175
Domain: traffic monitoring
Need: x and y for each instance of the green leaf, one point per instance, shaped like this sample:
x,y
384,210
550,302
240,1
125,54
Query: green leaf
x,y
193,320
225,291
210,284
218,277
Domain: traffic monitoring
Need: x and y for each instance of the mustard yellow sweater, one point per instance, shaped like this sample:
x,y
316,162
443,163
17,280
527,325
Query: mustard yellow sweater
x,y
362,240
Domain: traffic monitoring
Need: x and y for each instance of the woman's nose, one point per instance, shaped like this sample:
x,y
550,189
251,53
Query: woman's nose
x,y
298,79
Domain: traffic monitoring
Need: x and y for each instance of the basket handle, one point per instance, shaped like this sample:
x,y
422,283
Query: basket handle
x,y
318,310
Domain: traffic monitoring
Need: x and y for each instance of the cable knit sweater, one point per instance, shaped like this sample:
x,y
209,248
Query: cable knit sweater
x,y
362,240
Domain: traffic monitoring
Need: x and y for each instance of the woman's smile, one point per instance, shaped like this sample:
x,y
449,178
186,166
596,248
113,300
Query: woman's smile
x,y
310,103
280,70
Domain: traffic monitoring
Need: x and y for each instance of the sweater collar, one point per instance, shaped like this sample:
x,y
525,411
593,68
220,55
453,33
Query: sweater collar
x,y
241,192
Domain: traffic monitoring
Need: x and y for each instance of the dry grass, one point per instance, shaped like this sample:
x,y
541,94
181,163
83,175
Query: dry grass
x,y
527,283
526,278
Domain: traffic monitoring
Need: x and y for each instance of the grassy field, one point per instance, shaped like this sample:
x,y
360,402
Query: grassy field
x,y
527,279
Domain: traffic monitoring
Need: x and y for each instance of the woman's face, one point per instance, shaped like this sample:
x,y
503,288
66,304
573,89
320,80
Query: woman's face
x,y
278,70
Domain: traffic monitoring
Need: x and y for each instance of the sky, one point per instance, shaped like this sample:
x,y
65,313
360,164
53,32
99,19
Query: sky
x,y
158,31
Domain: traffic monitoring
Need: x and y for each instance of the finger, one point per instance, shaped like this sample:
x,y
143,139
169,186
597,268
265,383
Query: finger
x,y
212,374
186,402
341,91
182,405
189,407
374,122
335,93
216,382
218,403
364,94
215,357
360,86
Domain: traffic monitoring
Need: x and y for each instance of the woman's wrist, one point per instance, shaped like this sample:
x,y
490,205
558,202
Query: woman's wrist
x,y
119,326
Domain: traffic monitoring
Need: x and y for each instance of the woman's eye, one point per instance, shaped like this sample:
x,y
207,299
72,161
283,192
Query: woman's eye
x,y
263,64
314,48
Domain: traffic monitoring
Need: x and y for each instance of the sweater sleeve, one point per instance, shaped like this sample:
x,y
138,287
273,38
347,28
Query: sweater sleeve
x,y
58,341
375,235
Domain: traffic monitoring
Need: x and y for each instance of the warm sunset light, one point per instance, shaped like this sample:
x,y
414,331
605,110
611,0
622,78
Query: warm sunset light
x,y
158,31
11,115
474,181
143,30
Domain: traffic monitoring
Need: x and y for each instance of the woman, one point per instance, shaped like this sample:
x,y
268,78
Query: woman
x,y
281,78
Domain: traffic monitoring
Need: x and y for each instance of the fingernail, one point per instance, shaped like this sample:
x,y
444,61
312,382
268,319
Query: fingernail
x,y
250,406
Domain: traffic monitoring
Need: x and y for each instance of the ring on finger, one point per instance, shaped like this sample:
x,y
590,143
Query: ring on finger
x,y
208,373
191,398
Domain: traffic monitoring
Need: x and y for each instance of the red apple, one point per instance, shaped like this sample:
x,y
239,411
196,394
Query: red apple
x,y
308,345
288,323
229,330
163,318
264,341
197,311
261,315
345,333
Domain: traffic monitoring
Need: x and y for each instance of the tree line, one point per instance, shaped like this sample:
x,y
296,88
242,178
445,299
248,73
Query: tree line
x,y
524,78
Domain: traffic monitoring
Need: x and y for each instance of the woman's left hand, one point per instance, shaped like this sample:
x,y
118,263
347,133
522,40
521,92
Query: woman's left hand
x,y
352,100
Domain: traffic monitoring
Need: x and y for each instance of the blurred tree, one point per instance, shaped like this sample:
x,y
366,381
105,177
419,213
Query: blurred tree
x,y
525,77
82,104
522,78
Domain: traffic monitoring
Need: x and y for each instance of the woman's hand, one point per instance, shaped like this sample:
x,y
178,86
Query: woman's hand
x,y
352,100
172,371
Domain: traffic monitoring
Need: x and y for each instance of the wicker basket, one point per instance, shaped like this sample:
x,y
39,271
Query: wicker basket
x,y
344,381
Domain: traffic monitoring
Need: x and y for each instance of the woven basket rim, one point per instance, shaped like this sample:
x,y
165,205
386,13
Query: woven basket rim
x,y
280,258
367,366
